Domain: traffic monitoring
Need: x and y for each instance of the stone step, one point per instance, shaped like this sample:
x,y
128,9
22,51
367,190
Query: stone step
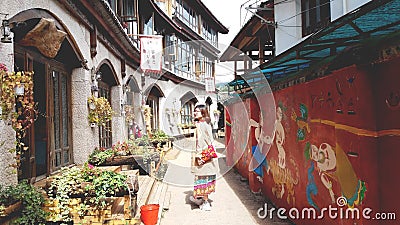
x,y
156,192
158,196
145,186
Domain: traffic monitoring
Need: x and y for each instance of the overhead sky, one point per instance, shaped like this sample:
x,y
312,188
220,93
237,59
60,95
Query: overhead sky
x,y
228,13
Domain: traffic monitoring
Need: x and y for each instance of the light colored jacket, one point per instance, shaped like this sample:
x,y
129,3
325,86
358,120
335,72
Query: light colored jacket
x,y
203,139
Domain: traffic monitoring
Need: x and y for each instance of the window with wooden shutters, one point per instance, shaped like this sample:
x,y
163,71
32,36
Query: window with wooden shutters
x,y
316,14
61,119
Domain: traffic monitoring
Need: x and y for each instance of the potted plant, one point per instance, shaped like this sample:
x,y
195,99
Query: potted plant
x,y
24,200
183,126
100,111
129,114
76,191
159,138
121,153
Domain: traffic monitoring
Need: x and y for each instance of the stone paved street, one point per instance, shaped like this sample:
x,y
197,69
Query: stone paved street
x,y
232,203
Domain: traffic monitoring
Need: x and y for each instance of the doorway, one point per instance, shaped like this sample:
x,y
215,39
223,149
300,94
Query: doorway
x,y
49,140
40,125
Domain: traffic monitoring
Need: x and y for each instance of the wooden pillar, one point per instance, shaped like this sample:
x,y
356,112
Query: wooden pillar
x,y
235,69
245,61
261,50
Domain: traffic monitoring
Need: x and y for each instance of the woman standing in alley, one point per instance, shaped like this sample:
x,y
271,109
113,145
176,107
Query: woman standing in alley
x,y
205,174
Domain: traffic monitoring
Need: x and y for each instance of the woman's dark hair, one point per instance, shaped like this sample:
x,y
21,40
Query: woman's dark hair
x,y
204,112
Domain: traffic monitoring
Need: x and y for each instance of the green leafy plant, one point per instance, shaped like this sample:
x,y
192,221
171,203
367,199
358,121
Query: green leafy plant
x,y
159,136
106,184
122,148
100,111
62,186
31,200
142,141
89,181
98,157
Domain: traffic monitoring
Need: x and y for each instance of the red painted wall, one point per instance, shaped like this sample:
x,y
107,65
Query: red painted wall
x,y
386,81
350,120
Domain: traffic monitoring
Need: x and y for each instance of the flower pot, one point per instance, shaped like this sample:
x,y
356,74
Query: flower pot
x,y
149,214
92,106
11,209
19,89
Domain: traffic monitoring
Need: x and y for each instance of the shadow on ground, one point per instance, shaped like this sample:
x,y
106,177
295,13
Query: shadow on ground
x,y
252,201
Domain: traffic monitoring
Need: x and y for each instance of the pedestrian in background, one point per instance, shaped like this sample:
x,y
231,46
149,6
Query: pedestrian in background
x,y
205,174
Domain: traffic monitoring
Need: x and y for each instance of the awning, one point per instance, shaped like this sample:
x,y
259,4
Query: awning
x,y
369,24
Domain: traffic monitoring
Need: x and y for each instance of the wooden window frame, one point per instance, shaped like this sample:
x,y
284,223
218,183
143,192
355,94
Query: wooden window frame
x,y
105,132
316,15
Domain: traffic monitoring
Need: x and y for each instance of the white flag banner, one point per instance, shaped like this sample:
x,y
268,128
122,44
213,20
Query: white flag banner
x,y
210,84
151,53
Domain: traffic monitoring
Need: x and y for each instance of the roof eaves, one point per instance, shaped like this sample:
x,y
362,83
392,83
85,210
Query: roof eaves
x,y
222,28
109,16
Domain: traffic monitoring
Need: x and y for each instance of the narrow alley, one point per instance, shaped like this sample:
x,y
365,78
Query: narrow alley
x,y
232,203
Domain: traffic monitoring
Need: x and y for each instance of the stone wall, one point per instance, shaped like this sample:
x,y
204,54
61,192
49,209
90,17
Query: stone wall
x,y
8,174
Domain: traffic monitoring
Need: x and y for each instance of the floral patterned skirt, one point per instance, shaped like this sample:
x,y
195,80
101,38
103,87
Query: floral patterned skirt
x,y
204,185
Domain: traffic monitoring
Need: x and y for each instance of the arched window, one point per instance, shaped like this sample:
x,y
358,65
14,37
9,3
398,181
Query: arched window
x,y
105,131
153,101
107,81
188,101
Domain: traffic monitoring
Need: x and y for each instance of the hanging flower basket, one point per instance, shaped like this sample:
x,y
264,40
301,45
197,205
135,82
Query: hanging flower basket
x,y
129,114
17,103
16,87
100,111
92,106
19,89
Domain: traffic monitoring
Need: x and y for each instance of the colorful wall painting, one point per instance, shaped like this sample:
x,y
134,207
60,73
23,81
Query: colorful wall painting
x,y
302,122
332,165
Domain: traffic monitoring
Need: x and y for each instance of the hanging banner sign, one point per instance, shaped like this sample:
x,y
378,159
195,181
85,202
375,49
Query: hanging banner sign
x,y
210,84
151,53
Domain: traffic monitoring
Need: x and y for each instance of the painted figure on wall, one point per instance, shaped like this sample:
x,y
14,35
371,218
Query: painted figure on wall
x,y
325,160
302,122
284,178
332,164
258,153
279,137
240,130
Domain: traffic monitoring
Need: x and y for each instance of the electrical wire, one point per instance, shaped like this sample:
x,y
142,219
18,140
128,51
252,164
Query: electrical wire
x,y
240,12
287,32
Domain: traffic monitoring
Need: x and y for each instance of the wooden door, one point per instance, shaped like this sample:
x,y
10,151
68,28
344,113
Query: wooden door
x,y
60,153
